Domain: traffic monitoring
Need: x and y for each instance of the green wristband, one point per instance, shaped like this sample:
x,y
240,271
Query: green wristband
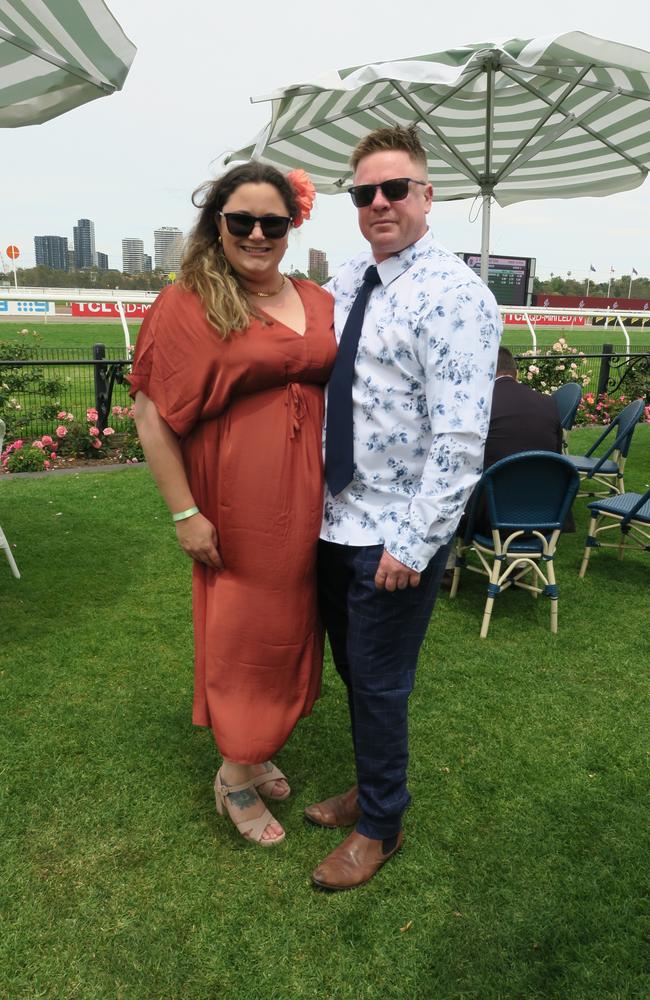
x,y
190,512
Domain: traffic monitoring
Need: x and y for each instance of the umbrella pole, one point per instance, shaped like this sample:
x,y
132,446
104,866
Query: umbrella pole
x,y
485,235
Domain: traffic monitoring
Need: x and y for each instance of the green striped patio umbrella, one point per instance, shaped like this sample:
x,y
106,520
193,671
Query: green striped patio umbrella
x,y
56,55
554,117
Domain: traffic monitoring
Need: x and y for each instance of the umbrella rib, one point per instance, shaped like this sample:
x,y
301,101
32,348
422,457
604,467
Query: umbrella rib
x,y
555,106
609,95
560,77
456,157
49,57
324,122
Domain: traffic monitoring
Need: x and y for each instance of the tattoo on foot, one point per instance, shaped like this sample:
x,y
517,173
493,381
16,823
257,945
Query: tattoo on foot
x,y
243,799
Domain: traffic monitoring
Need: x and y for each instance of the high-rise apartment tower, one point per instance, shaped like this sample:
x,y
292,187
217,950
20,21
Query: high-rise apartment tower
x,y
84,244
133,256
168,248
52,251
318,266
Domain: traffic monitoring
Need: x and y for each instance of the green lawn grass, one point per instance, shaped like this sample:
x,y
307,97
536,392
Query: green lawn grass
x,y
56,335
524,873
67,335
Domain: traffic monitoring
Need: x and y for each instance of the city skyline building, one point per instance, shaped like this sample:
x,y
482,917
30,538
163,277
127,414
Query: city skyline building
x,y
168,248
102,261
148,263
52,251
133,256
318,266
84,244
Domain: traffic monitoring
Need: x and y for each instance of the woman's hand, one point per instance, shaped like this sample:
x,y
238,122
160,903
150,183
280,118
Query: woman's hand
x,y
198,538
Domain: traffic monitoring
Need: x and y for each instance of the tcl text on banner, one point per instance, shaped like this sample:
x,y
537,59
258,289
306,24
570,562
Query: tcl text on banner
x,y
514,319
131,309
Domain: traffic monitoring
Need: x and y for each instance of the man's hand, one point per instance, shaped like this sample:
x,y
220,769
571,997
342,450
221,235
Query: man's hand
x,y
393,575
198,538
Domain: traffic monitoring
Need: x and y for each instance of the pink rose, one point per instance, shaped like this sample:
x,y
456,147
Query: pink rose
x,y
37,444
97,444
61,415
93,431
61,431
47,465
53,454
108,431
92,414
46,439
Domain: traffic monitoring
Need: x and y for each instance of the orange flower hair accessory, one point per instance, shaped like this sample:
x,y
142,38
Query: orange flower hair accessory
x,y
305,193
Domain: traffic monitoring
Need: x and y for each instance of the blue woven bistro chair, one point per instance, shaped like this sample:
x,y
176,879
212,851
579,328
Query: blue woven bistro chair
x,y
607,468
528,497
627,512
567,399
4,544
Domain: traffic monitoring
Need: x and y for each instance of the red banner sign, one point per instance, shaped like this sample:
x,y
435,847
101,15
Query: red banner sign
x,y
95,309
515,319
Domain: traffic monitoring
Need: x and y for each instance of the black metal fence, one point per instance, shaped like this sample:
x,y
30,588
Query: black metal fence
x,y
34,390
611,370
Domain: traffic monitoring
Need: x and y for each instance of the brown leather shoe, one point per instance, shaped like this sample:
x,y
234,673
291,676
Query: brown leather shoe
x,y
353,862
340,810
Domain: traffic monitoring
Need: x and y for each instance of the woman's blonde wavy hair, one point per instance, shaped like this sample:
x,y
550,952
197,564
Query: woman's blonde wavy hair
x,y
205,268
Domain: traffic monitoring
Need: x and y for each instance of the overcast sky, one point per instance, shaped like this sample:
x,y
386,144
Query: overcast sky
x,y
131,161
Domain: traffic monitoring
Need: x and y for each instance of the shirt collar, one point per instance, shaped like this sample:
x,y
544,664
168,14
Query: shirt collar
x,y
398,263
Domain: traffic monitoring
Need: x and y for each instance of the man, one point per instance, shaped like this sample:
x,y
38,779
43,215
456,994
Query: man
x,y
522,419
408,412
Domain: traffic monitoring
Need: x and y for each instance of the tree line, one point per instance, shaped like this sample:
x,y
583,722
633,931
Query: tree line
x,y
558,285
50,277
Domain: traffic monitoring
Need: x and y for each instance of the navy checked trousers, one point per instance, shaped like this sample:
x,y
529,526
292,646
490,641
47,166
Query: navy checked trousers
x,y
375,637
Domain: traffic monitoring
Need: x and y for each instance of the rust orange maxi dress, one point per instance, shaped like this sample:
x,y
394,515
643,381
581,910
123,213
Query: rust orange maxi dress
x,y
248,412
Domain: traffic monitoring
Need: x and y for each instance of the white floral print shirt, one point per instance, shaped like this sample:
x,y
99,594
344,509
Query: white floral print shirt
x,y
421,400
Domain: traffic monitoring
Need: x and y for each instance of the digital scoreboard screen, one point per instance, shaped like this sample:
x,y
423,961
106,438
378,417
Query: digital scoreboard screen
x,y
508,277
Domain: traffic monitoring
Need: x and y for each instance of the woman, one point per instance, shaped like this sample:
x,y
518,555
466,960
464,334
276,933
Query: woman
x,y
228,382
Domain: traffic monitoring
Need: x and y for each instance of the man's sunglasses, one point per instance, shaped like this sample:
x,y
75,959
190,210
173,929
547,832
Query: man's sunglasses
x,y
394,190
273,227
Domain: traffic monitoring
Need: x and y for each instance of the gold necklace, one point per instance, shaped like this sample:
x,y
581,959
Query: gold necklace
x,y
268,295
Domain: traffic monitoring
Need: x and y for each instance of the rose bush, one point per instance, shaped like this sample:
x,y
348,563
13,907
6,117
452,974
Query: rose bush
x,y
39,456
83,438
130,449
548,373
604,408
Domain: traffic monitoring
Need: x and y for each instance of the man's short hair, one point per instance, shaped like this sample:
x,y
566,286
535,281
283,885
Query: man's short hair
x,y
506,363
393,137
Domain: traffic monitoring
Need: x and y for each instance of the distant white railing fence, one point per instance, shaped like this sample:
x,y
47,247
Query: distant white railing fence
x,y
40,303
127,304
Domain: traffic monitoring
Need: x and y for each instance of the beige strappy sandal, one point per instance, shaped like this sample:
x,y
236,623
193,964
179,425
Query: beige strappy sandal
x,y
250,829
273,775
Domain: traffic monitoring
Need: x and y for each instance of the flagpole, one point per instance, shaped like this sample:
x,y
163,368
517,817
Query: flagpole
x,y
588,283
629,291
609,283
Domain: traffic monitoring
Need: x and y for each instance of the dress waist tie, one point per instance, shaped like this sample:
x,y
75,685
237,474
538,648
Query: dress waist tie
x,y
297,409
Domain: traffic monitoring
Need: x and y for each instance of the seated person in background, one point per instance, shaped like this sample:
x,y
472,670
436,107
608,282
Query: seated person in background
x,y
522,419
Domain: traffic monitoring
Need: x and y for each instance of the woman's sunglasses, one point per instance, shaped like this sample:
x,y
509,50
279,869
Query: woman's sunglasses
x,y
273,227
395,189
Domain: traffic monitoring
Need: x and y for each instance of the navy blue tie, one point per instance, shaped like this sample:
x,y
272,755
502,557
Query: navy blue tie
x,y
339,452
